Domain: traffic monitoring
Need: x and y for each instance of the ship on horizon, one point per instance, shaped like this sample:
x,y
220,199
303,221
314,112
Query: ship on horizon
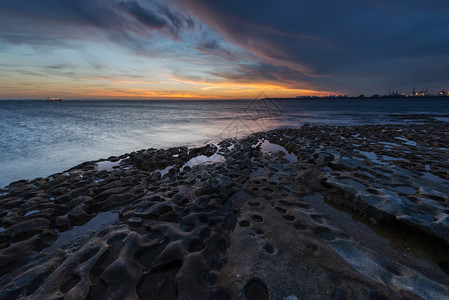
x,y
53,99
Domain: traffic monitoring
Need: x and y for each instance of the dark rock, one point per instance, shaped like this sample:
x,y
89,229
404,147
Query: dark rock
x,y
25,228
135,221
78,216
62,223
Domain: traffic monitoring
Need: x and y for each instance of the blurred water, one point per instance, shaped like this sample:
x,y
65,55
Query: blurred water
x,y
39,138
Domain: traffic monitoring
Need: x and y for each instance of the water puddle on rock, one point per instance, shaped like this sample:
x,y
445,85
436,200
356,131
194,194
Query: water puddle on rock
x,y
267,147
99,222
403,189
406,141
203,159
357,136
442,119
31,212
351,182
108,165
386,157
429,176
164,171
389,145
371,156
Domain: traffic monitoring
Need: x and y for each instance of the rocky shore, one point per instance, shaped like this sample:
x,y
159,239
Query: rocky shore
x,y
316,212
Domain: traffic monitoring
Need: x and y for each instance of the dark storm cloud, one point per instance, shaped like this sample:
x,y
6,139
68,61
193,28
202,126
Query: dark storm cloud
x,y
327,41
158,16
246,73
215,47
148,18
47,20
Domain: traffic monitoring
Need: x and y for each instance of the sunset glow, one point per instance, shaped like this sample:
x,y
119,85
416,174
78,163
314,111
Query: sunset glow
x,y
152,49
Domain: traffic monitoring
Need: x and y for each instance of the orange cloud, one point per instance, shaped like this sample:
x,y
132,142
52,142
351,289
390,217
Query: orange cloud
x,y
233,88
168,87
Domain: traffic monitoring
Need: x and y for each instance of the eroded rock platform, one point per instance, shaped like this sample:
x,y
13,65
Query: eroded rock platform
x,y
318,212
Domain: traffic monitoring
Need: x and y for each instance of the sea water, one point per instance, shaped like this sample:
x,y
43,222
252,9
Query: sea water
x,y
39,138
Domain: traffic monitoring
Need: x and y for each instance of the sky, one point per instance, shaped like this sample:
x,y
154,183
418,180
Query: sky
x,y
214,49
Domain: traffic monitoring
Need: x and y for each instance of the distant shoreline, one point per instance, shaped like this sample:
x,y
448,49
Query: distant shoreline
x,y
250,99
358,97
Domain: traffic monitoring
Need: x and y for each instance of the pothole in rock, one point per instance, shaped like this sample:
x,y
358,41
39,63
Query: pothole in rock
x,y
289,218
268,248
324,233
187,227
211,278
255,289
244,223
202,159
196,246
108,165
99,222
257,218
444,265
258,231
268,147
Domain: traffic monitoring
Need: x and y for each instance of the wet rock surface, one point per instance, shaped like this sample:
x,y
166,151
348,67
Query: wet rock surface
x,y
317,212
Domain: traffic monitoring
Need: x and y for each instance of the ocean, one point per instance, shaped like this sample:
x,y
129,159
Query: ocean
x,y
39,138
